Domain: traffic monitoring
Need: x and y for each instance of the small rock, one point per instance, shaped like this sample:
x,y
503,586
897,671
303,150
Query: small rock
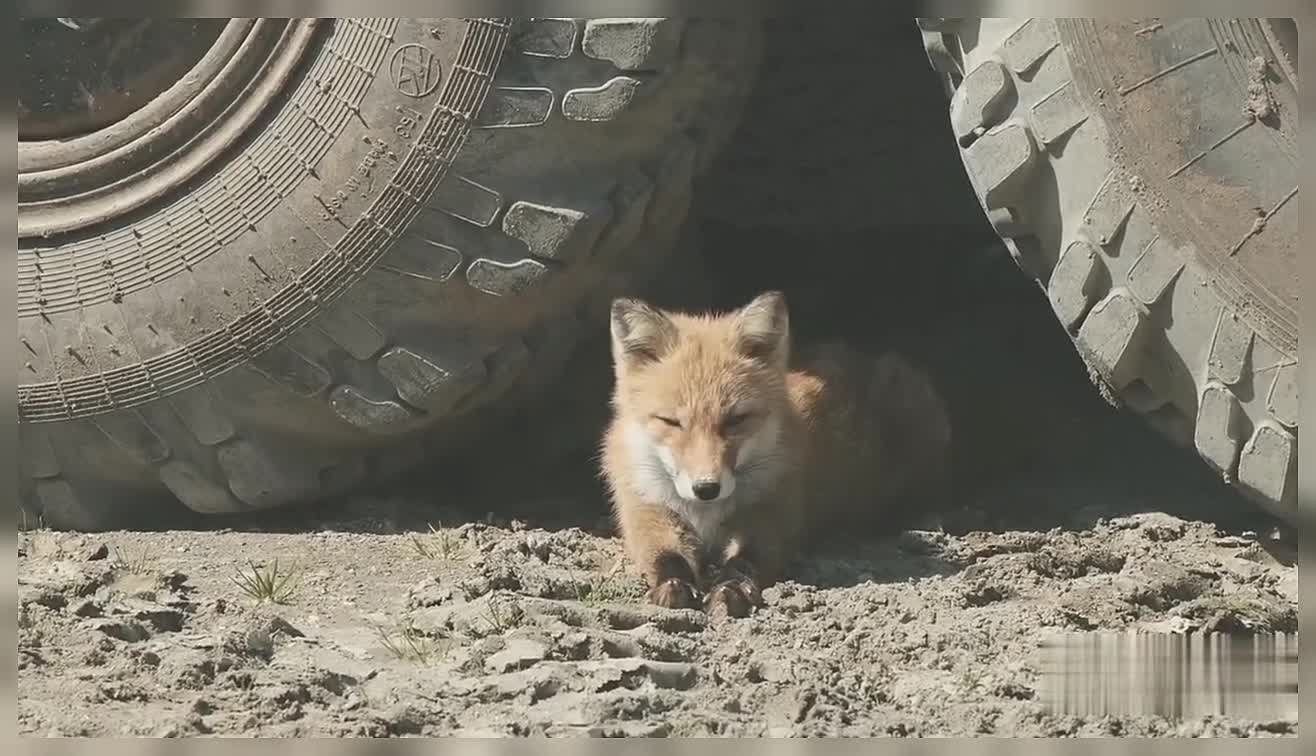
x,y
804,703
631,730
127,631
88,608
1277,726
116,690
162,620
914,641
1014,689
30,657
97,552
921,541
1175,625
1163,529
1244,569
1252,553
1287,586
171,730
174,580
353,701
429,592
47,597
574,645
189,724
486,732
675,675
519,653
771,670
281,626
404,719
798,603
539,545
981,593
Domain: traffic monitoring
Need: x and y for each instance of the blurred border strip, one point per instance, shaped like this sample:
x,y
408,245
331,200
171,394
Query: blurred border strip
x,y
1113,8
1306,20
893,9
429,8
1302,10
9,395
1179,676
984,746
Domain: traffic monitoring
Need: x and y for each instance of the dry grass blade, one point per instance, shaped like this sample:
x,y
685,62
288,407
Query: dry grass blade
x,y
139,564
408,643
502,613
25,525
607,587
441,543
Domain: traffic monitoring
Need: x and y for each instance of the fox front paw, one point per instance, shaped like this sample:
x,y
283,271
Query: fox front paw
x,y
732,598
674,593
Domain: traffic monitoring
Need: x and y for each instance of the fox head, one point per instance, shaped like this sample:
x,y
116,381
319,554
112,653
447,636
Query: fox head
x,y
701,399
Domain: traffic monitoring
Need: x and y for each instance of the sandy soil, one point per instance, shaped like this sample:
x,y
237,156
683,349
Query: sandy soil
x,y
506,629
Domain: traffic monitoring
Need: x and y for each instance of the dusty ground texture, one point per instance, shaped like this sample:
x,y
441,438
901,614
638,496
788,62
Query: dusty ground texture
x,y
389,628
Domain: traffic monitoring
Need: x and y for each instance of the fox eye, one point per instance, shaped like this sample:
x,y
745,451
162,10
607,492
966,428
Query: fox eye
x,y
673,422
735,419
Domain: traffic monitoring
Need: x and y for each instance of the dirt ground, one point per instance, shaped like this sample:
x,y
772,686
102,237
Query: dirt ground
x,y
388,628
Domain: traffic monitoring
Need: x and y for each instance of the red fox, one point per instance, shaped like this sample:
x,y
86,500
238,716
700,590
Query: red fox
x,y
724,454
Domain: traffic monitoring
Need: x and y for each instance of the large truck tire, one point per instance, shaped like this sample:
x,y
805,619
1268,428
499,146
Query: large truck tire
x,y
1145,172
262,260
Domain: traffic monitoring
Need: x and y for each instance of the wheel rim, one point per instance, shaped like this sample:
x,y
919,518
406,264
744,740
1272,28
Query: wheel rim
x,y
80,75
80,165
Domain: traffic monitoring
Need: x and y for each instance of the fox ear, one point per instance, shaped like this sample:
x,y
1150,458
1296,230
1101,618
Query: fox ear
x,y
763,328
640,333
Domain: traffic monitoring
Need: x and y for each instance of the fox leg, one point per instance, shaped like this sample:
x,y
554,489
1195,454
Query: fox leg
x,y
748,564
664,550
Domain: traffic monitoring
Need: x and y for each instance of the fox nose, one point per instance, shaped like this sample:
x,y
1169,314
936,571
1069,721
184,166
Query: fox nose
x,y
707,489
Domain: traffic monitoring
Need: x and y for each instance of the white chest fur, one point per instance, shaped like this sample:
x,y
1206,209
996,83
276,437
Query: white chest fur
x,y
707,520
654,476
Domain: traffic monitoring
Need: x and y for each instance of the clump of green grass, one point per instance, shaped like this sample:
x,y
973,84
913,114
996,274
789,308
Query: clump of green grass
x,y
136,564
971,679
441,544
266,585
406,642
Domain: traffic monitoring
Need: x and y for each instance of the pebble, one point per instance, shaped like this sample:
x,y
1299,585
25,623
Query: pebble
x,y
519,653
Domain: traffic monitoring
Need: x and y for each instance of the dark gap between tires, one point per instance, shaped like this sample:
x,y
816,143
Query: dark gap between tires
x,y
850,197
